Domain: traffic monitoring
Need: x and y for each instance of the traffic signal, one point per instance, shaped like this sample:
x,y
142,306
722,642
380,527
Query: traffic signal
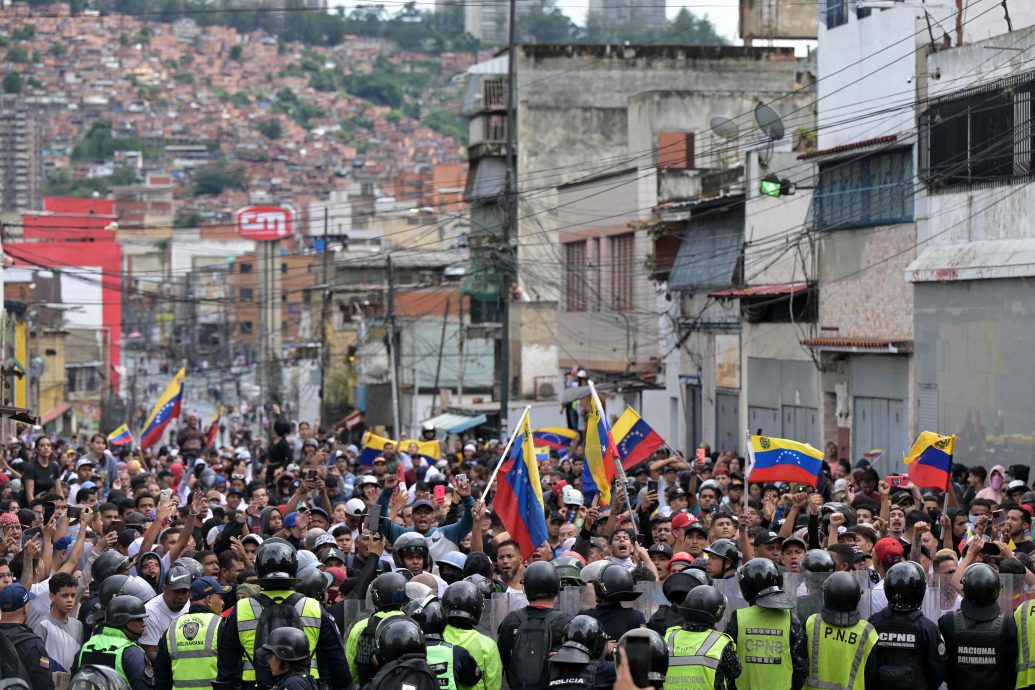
x,y
350,354
771,185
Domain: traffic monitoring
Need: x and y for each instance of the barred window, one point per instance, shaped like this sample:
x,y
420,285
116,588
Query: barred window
x,y
575,276
623,271
876,189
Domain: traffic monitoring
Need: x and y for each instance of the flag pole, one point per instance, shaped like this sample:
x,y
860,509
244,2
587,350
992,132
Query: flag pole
x,y
618,460
506,452
747,470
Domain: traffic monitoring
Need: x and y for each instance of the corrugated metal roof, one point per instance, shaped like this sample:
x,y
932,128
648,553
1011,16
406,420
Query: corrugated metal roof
x,y
847,148
763,290
982,260
710,251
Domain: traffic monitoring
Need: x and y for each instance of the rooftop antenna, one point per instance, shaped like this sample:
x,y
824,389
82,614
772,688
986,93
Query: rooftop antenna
x,y
770,122
727,129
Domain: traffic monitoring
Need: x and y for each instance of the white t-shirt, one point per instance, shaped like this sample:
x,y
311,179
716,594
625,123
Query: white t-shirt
x,y
159,618
40,606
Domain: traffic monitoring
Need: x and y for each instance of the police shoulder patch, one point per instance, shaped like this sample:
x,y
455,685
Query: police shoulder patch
x,y
941,648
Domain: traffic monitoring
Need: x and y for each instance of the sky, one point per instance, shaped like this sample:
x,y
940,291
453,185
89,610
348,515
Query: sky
x,y
722,13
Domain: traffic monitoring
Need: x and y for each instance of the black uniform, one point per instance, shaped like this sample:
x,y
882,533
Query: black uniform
x,y
910,652
386,677
981,654
88,616
598,675
615,619
555,621
664,618
295,680
32,652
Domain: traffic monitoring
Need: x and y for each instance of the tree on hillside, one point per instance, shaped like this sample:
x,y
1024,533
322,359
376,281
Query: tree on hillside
x,y
214,179
12,83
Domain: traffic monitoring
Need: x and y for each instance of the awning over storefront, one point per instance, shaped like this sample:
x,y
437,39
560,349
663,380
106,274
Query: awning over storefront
x,y
53,414
982,260
455,423
711,249
763,290
859,345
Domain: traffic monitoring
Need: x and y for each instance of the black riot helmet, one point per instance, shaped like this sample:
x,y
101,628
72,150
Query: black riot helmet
x,y
761,583
122,610
569,570
615,585
130,585
584,642
93,677
841,595
981,586
646,655
192,565
678,585
429,614
110,562
486,586
396,636
276,563
411,544
287,644
727,550
704,604
478,563
463,603
541,581
313,583
905,586
388,592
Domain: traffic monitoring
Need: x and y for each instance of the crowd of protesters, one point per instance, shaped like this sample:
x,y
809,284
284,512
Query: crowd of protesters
x,y
126,560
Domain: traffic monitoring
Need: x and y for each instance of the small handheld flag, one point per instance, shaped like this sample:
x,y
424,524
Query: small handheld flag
x,y
166,409
213,429
930,460
780,460
519,495
634,438
557,438
598,470
373,446
120,436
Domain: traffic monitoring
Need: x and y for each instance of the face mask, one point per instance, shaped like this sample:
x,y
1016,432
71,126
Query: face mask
x,y
997,481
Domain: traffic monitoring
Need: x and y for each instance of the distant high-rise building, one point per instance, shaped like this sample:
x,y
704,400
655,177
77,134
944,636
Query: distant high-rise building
x,y
21,156
618,12
487,20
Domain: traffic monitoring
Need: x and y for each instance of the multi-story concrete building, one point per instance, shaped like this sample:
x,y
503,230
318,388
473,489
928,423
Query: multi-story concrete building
x,y
489,21
647,13
21,159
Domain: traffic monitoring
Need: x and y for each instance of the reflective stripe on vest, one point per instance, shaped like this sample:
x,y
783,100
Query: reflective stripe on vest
x,y
764,647
110,642
1025,663
191,641
832,663
440,659
693,658
247,624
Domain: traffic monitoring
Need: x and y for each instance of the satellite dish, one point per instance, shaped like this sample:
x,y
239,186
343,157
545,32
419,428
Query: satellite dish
x,y
769,121
724,127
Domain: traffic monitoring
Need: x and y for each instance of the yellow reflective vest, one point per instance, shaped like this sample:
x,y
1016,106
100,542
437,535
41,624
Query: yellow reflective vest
x,y
192,641
838,654
248,612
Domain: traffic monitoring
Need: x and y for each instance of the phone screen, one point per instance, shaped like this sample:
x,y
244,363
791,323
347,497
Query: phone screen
x,y
48,510
374,519
652,485
440,491
700,456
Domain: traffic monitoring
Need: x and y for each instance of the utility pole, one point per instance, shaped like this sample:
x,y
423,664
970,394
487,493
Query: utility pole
x,y
393,363
325,355
510,221
438,365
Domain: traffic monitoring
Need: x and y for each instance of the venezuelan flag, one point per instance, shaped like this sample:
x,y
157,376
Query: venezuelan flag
x,y
213,429
373,447
598,471
930,460
120,436
519,496
634,438
429,451
166,409
554,437
780,460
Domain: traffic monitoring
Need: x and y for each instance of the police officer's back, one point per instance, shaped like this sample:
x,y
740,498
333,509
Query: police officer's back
x,y
14,610
107,564
400,658
115,645
579,664
187,652
528,636
452,665
612,587
816,567
701,657
644,653
770,639
910,652
464,604
840,643
675,588
238,661
288,650
388,593
980,641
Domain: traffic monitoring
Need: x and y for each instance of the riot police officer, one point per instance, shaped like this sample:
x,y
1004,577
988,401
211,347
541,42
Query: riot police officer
x,y
388,593
840,643
771,642
453,665
98,678
187,651
577,664
701,657
981,643
615,585
115,645
108,563
675,588
400,656
463,602
14,603
289,659
910,651
522,654
643,652
815,569
238,660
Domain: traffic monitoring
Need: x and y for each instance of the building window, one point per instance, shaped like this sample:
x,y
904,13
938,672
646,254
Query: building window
x,y
245,327
245,268
246,294
860,192
575,276
833,12
979,136
623,271
283,267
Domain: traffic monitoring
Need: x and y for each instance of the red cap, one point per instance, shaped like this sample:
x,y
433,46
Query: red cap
x,y
681,520
681,557
888,551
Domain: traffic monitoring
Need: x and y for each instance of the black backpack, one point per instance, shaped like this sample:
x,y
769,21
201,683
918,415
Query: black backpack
x,y
11,665
274,614
533,642
366,646
405,674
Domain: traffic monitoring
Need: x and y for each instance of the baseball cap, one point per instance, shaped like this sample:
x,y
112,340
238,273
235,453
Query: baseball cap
x,y
205,586
888,551
1016,484
14,597
663,549
697,525
768,537
87,485
682,520
324,540
252,537
290,519
333,553
177,577
794,540
85,462
423,503
63,543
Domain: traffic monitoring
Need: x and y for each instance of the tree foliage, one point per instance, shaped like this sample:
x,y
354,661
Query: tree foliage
x,y
12,83
271,128
214,179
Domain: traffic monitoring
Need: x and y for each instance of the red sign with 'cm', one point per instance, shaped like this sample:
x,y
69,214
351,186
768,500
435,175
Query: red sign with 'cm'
x,y
264,223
